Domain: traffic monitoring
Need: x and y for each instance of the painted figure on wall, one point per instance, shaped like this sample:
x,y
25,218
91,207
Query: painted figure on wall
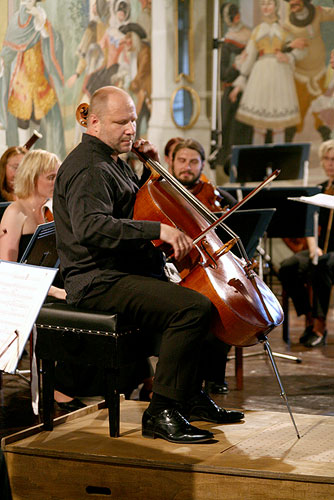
x,y
303,22
234,43
88,52
140,85
31,75
108,49
269,100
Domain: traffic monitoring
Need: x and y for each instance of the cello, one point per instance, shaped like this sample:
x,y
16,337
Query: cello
x,y
245,309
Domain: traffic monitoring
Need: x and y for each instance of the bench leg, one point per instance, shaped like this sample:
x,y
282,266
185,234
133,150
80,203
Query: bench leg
x,y
48,375
112,400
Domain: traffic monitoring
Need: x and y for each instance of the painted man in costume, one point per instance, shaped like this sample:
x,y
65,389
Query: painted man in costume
x,y
303,22
30,67
234,42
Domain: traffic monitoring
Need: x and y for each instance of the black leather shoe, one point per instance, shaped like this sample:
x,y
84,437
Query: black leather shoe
x,y
306,334
73,405
172,426
203,408
314,340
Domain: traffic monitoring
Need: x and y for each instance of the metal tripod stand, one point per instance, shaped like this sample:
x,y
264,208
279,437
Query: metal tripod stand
x,y
264,340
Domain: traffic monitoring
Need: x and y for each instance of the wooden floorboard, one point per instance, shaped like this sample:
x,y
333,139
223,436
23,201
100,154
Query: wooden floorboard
x,y
259,457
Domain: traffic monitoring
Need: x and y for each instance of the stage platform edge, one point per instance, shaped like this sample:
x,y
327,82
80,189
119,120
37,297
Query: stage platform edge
x,y
259,457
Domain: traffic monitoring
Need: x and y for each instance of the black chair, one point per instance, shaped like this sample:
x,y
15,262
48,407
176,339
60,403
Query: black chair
x,y
82,337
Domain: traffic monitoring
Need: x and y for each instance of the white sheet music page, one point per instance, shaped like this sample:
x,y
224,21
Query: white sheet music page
x,y
320,200
23,289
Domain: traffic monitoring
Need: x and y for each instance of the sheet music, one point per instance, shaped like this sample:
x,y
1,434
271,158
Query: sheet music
x,y
320,200
23,289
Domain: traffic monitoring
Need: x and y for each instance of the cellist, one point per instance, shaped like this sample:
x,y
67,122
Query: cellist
x,y
186,164
108,263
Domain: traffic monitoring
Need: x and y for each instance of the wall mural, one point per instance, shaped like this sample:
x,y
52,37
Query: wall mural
x,y
276,81
54,55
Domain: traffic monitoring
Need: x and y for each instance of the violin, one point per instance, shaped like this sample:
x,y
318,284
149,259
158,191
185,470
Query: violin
x,y
208,195
244,308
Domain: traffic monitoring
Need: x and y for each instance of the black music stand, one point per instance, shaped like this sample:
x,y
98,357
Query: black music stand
x,y
282,225
250,225
250,163
40,251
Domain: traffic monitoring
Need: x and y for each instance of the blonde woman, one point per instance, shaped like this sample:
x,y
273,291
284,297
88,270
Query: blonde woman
x,y
33,186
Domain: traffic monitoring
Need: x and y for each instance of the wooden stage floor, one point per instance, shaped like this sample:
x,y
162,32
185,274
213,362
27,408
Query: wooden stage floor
x,y
260,457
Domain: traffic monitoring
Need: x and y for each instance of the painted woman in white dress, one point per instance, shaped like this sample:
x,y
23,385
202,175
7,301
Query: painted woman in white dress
x,y
269,101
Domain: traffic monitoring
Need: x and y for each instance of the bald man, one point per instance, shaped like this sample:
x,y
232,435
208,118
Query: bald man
x,y
109,263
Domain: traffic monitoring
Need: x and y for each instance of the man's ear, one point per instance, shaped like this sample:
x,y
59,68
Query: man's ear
x,y
94,122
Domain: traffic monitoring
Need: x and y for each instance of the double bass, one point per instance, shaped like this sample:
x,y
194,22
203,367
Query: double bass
x,y
245,309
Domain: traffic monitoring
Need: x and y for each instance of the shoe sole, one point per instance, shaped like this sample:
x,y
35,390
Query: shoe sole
x,y
203,419
155,435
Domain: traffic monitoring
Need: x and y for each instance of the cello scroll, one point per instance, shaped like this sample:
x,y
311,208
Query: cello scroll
x,y
81,114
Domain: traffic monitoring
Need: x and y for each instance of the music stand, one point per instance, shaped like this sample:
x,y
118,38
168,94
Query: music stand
x,y
252,163
282,225
250,225
41,249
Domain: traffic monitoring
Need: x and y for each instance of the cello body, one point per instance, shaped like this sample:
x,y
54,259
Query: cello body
x,y
245,309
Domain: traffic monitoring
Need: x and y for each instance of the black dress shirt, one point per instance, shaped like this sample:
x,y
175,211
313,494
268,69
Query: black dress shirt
x,y
97,240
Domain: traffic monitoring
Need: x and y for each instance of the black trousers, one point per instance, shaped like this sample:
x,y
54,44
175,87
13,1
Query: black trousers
x,y
180,315
295,272
322,282
298,270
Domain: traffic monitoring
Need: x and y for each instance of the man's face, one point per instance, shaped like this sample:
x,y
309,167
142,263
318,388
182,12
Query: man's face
x,y
117,125
296,5
187,166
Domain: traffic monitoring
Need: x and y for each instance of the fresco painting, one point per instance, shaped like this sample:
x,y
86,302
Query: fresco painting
x,y
53,58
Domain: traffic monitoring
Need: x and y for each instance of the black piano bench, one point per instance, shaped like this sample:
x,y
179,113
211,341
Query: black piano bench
x,y
65,333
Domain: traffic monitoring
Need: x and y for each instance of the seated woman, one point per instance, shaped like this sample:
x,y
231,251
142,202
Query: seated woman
x,y
296,271
33,186
9,163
